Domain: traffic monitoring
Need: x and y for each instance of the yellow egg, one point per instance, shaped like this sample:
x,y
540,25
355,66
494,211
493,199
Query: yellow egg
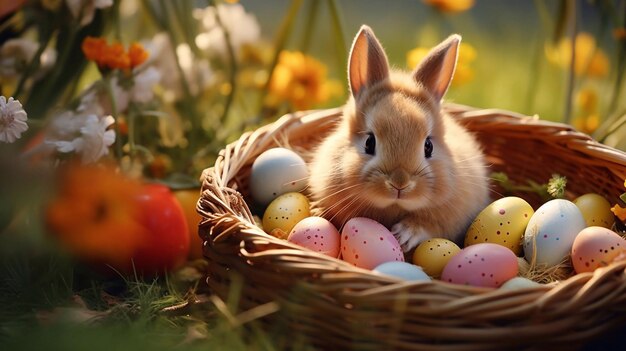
x,y
432,255
284,212
596,210
503,222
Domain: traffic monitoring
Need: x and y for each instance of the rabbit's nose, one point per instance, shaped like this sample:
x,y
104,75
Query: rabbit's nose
x,y
399,179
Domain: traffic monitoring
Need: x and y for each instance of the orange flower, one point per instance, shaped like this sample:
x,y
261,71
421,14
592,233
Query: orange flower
x,y
93,214
301,80
589,59
113,56
618,211
137,54
450,5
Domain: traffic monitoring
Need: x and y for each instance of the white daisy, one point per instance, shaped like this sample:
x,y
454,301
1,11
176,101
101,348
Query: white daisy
x,y
94,139
242,27
12,120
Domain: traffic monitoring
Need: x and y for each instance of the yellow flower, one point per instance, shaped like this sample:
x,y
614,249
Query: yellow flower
x,y
619,212
588,58
588,119
587,100
587,123
300,80
464,71
450,5
93,214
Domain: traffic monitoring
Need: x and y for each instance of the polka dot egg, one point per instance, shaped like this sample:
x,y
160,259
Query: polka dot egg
x,y
284,212
317,234
366,243
433,254
596,247
502,222
551,232
485,265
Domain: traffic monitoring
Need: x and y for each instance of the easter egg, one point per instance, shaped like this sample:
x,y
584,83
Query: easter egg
x,y
366,243
596,210
433,254
317,234
282,214
551,232
402,270
596,247
518,283
502,222
485,264
275,172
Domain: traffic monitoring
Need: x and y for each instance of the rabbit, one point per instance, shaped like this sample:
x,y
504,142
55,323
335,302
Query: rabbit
x,y
394,156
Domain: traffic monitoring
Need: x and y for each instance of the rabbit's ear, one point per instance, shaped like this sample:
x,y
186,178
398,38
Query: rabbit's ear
x,y
368,63
437,68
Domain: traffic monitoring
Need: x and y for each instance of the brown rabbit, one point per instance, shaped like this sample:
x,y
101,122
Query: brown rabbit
x,y
394,156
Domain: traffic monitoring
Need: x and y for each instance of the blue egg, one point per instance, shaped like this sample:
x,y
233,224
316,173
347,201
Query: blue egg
x,y
275,172
402,270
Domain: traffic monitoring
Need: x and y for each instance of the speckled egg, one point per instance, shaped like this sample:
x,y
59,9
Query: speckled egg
x,y
485,264
551,232
433,254
402,270
284,212
366,243
275,172
596,247
502,222
317,234
596,210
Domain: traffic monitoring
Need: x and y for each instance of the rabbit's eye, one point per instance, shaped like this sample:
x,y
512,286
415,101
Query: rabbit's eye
x,y
428,148
370,144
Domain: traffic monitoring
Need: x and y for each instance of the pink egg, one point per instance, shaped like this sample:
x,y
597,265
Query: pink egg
x,y
485,264
596,247
317,234
366,243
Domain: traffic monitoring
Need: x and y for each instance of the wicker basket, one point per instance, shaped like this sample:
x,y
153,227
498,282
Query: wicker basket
x,y
335,305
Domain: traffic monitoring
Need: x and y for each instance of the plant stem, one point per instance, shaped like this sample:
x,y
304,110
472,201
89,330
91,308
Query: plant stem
x,y
571,77
340,40
108,86
310,24
232,60
32,66
279,45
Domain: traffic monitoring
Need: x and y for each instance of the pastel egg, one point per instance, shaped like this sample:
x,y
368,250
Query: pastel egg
x,y
433,254
317,234
596,210
502,222
275,172
366,243
596,247
282,214
485,264
402,270
518,283
551,232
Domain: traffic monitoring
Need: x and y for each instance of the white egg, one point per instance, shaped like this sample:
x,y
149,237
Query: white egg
x,y
519,283
551,231
402,270
275,172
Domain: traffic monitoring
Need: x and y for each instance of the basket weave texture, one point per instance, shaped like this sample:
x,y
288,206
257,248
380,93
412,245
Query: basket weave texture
x,y
335,305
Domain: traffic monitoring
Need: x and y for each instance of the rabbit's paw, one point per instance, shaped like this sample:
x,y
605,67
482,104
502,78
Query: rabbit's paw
x,y
409,236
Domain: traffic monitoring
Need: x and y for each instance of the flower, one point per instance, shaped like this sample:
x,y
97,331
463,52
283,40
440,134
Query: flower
x,y
12,120
93,141
243,28
16,55
588,58
93,214
84,10
450,5
113,56
300,80
618,211
588,119
463,72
